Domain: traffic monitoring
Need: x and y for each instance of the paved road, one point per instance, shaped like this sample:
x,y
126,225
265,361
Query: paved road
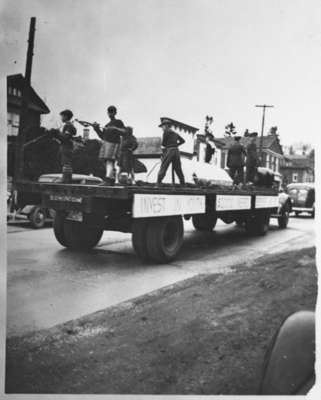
x,y
48,284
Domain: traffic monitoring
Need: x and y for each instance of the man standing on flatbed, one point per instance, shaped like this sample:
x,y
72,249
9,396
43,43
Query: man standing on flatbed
x,y
252,160
171,155
235,160
111,136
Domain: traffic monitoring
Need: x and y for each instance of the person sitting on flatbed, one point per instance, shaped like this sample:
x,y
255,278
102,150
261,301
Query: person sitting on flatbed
x,y
171,155
111,136
66,144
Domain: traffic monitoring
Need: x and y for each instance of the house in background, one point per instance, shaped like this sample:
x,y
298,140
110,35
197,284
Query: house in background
x,y
272,156
36,106
298,168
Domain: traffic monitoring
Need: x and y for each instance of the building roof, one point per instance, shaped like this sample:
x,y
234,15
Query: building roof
x,y
297,161
268,141
35,102
149,146
180,125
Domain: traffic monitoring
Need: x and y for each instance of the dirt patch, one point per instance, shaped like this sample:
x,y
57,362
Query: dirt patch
x,y
206,335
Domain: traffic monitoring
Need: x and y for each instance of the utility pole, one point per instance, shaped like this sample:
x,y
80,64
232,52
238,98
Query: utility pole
x,y
19,152
264,106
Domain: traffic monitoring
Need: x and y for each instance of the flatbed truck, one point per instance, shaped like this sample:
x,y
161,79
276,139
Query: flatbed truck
x,y
152,214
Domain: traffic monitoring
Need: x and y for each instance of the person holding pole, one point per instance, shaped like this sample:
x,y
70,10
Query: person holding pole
x,y
171,155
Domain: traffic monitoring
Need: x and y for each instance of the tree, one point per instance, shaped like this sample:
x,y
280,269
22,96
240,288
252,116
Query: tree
x,y
230,129
273,130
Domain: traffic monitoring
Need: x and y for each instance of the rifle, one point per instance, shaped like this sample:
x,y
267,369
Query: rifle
x,y
92,124
49,134
85,123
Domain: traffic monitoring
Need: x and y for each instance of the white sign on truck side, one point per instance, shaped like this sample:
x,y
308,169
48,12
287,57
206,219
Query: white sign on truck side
x,y
266,201
232,202
160,205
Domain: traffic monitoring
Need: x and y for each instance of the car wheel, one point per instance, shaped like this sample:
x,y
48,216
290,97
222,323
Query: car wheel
x,y
37,218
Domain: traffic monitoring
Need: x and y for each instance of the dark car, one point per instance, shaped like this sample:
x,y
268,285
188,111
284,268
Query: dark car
x,y
302,197
29,204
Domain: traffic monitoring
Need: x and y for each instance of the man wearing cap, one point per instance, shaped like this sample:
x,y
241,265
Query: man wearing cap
x,y
235,160
111,136
171,155
66,144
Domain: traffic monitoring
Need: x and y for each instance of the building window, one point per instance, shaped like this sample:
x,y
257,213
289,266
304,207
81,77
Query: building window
x,y
10,89
294,177
13,120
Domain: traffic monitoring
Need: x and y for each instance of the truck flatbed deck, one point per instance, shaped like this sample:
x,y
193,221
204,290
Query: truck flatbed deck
x,y
127,192
153,214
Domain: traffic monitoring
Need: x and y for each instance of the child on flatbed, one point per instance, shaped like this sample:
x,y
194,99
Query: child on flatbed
x,y
126,158
66,144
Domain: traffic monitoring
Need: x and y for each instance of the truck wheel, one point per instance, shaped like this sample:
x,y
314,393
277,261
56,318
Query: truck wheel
x,y
313,212
257,225
283,220
139,233
164,238
80,236
58,228
37,218
204,222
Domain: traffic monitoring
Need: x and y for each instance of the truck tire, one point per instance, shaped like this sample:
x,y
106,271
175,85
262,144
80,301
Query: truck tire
x,y
164,238
283,219
257,225
37,217
313,212
58,228
80,236
139,234
204,222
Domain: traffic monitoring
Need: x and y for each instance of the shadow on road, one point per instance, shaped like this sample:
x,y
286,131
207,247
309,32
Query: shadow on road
x,y
194,245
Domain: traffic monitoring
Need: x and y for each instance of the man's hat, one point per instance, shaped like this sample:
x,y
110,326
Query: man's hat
x,y
164,121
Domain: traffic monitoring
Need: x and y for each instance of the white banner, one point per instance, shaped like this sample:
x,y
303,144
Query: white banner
x,y
228,202
266,201
160,205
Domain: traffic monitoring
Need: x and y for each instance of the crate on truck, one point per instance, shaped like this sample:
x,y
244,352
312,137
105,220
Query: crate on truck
x,y
153,215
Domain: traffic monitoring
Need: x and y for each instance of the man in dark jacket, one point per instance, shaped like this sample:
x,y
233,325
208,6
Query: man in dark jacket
x,y
171,156
235,160
251,159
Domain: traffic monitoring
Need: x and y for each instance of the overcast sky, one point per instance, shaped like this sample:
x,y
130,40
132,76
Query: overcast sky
x,y
178,58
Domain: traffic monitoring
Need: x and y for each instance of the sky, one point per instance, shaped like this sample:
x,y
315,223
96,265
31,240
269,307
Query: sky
x,y
183,59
